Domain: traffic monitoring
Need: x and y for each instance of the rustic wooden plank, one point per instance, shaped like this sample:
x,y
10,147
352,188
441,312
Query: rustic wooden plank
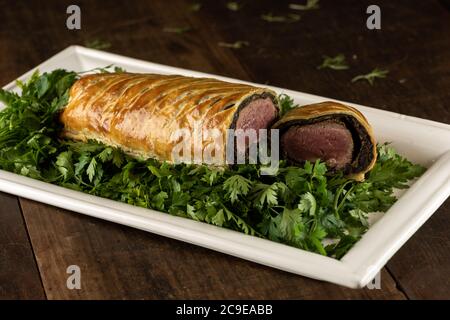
x,y
117,262
19,276
422,266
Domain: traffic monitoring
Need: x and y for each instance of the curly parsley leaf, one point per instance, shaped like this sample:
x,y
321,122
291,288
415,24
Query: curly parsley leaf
x,y
392,170
335,63
310,5
371,76
286,103
236,185
290,17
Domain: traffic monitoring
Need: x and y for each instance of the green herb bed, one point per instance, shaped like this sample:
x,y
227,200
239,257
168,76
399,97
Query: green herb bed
x,y
300,206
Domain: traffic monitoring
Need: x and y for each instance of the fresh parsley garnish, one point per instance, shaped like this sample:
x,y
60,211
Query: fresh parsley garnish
x,y
371,76
290,17
234,45
336,63
195,6
233,6
97,44
310,5
286,103
178,30
299,206
236,185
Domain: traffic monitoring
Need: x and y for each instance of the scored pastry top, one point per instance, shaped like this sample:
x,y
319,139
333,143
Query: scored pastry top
x,y
139,112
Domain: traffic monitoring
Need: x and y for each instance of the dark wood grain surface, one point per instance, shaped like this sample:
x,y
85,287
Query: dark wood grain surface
x,y
38,242
19,275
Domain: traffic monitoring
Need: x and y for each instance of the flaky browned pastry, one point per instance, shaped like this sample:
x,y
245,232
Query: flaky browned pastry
x,y
141,112
332,132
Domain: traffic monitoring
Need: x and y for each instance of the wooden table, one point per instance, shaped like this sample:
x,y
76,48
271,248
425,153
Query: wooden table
x,y
38,242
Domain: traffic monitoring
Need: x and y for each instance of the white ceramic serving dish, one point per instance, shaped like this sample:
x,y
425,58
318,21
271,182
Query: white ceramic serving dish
x,y
422,141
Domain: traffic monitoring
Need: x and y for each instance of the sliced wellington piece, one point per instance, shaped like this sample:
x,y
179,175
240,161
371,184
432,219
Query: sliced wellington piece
x,y
332,132
148,115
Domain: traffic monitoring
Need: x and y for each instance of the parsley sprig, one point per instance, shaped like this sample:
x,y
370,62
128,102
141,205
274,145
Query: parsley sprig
x,y
195,6
98,44
290,17
299,206
234,6
177,30
234,45
310,5
371,76
336,63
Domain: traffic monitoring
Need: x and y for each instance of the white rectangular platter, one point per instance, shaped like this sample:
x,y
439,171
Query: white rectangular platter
x,y
422,141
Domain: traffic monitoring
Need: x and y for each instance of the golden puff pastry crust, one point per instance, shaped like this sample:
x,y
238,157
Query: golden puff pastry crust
x,y
140,112
365,154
